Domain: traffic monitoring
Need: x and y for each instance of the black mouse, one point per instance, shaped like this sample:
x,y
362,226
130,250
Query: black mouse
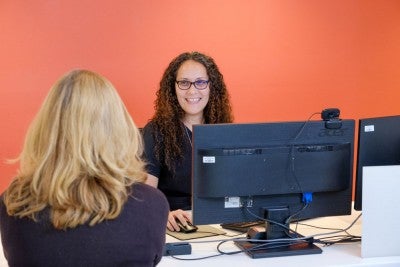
x,y
189,228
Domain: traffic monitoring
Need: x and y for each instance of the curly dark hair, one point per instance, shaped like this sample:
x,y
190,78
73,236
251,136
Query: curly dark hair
x,y
168,113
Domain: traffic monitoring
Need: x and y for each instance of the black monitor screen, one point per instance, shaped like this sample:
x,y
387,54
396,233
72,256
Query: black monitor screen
x,y
243,172
378,145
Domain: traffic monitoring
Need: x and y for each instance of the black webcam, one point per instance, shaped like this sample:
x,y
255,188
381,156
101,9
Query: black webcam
x,y
330,113
331,118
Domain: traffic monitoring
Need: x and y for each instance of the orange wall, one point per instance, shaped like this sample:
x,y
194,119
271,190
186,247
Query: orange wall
x,y
282,60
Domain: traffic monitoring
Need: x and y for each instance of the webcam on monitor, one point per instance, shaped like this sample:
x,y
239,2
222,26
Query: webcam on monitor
x,y
331,118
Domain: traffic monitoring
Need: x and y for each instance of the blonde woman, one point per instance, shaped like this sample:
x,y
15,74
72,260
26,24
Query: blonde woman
x,y
79,198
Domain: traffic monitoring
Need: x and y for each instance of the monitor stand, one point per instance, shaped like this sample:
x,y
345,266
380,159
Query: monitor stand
x,y
274,232
254,250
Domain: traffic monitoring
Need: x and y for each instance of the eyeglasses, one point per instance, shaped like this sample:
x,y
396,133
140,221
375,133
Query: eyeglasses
x,y
199,84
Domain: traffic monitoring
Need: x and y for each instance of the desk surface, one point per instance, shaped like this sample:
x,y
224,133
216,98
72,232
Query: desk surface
x,y
347,254
335,255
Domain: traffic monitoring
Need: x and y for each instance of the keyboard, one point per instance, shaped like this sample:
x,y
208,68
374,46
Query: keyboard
x,y
242,226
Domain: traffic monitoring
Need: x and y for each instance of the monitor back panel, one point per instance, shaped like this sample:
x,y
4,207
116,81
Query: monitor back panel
x,y
378,145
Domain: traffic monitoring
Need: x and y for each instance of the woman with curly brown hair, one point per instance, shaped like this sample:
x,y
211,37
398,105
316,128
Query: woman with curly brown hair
x,y
192,91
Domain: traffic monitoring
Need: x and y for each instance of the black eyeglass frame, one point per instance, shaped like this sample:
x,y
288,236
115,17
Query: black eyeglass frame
x,y
193,83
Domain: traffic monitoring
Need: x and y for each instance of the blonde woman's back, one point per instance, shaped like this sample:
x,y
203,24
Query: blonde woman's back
x,y
135,238
80,189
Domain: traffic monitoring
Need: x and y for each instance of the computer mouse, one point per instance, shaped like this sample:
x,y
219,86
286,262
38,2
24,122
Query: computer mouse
x,y
188,228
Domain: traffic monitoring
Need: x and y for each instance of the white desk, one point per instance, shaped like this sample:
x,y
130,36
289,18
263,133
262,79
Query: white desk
x,y
3,261
348,254
335,255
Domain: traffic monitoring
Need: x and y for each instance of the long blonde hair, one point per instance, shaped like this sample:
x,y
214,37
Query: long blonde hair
x,y
80,157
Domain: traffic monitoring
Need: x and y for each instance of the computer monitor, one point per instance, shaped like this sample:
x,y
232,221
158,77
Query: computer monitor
x,y
378,145
246,171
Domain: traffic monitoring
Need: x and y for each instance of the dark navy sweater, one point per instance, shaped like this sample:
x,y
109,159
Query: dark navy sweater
x,y
135,238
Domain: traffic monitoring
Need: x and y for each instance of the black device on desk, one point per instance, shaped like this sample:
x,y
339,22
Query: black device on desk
x,y
242,227
279,172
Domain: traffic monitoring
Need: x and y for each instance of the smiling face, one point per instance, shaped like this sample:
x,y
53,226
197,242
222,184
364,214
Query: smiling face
x,y
192,100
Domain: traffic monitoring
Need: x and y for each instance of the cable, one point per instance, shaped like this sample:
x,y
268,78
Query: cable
x,y
320,240
304,125
328,241
267,220
292,146
289,219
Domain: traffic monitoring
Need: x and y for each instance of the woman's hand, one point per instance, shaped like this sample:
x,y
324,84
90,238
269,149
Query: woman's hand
x,y
181,215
